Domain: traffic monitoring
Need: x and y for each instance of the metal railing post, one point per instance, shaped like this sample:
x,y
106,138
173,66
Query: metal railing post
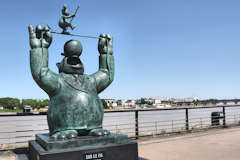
x,y
224,117
116,128
136,124
156,128
187,119
201,125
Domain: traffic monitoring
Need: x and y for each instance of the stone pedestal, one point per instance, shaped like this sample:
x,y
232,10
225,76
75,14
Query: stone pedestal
x,y
111,147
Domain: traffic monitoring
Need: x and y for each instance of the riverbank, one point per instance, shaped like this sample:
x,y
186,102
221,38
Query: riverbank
x,y
37,112
135,123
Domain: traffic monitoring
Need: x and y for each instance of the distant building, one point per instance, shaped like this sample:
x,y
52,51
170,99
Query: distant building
x,y
111,103
130,103
149,100
44,109
156,101
27,109
121,102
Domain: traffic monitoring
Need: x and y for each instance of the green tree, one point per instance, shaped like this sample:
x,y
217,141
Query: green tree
x,y
9,103
30,102
142,101
43,103
105,106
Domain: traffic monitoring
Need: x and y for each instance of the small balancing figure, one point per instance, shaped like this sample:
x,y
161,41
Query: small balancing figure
x,y
64,23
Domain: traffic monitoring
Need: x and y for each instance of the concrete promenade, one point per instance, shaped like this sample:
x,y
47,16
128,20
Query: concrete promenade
x,y
218,144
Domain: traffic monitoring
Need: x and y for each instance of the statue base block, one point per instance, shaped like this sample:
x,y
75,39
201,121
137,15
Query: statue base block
x,y
79,142
111,147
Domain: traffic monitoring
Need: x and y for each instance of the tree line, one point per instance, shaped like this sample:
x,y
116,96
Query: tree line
x,y
15,103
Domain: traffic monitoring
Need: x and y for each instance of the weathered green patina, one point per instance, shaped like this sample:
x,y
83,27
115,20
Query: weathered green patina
x,y
75,107
80,142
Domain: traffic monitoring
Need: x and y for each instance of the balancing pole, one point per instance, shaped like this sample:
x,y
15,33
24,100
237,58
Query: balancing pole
x,y
78,35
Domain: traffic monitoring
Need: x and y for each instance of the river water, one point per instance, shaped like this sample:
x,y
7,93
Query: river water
x,y
17,129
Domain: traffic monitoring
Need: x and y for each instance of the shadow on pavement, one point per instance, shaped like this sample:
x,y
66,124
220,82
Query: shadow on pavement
x,y
140,158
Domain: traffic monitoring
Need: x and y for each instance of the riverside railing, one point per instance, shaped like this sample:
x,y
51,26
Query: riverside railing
x,y
135,123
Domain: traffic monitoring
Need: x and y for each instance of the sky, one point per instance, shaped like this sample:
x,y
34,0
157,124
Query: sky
x,y
162,48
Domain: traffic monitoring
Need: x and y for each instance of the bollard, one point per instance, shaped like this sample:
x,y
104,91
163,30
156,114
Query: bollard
x,y
215,118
